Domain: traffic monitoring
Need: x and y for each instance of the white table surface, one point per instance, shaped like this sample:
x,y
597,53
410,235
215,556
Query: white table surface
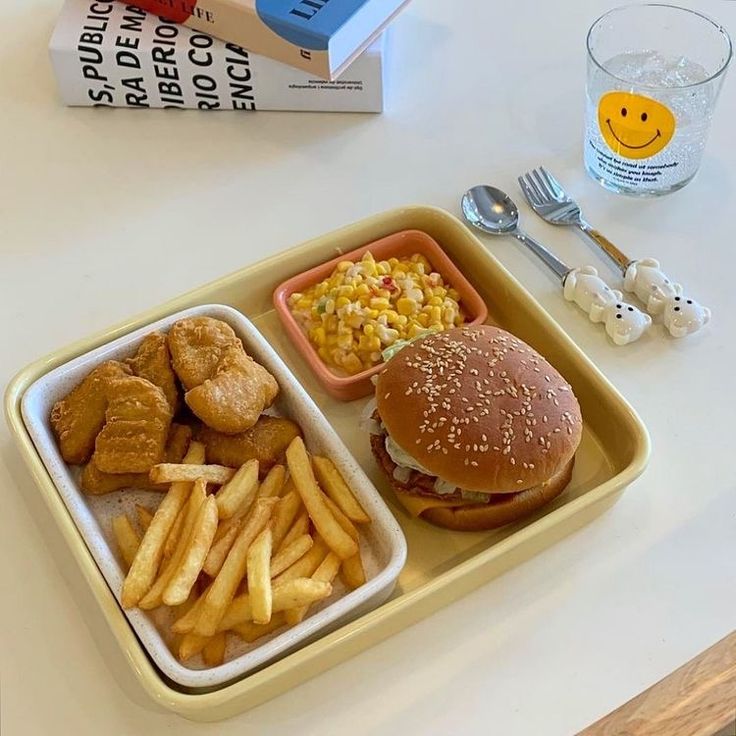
x,y
105,213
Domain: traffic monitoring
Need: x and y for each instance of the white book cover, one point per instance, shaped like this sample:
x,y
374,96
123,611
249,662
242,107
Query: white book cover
x,y
105,53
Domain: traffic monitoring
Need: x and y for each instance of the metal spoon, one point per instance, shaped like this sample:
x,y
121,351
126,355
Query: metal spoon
x,y
492,211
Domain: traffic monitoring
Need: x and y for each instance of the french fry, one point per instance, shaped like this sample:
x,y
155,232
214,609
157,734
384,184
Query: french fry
x,y
175,534
239,491
154,597
190,561
195,454
223,587
288,487
177,612
175,473
337,539
305,566
299,592
325,573
126,537
192,644
143,569
258,567
338,490
289,594
220,547
213,653
144,516
289,554
224,527
298,529
273,482
251,632
185,623
284,514
352,571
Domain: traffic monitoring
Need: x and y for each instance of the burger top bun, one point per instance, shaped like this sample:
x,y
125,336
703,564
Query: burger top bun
x,y
479,408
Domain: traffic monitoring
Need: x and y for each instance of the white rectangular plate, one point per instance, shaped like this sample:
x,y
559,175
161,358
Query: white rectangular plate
x,y
383,546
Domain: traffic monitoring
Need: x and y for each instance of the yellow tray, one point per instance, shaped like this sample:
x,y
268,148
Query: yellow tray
x,y
441,565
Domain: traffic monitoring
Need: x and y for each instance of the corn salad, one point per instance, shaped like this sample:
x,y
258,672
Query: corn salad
x,y
366,306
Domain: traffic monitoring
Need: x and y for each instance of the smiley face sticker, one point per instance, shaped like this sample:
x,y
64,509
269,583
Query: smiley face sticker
x,y
635,126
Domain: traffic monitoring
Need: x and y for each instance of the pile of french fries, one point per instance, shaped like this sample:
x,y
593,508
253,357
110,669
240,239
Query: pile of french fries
x,y
247,559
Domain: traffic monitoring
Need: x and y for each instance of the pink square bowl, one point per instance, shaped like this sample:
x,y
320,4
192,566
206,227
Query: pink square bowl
x,y
401,244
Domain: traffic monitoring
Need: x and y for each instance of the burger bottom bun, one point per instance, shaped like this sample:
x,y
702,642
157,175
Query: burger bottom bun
x,y
502,509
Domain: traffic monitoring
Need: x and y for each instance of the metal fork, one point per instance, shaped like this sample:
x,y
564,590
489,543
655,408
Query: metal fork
x,y
552,203
643,277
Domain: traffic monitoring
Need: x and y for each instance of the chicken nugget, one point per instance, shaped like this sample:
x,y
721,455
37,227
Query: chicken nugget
x,y
80,415
94,482
266,441
235,397
197,345
153,362
137,424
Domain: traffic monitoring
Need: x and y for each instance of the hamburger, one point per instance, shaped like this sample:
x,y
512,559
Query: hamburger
x,y
474,428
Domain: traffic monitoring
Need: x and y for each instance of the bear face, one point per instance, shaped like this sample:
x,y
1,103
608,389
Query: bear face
x,y
625,323
683,316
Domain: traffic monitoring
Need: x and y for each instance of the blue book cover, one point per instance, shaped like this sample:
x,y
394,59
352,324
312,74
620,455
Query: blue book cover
x,y
319,36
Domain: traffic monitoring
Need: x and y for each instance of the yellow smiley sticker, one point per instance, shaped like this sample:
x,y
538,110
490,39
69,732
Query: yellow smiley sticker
x,y
635,126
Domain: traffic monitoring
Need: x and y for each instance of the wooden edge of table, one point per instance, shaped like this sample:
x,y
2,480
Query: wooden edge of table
x,y
698,699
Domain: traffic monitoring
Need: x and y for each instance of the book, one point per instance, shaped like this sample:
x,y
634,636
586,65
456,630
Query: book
x,y
105,53
318,36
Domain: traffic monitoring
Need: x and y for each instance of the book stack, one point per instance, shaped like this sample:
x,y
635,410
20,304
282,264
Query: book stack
x,y
308,55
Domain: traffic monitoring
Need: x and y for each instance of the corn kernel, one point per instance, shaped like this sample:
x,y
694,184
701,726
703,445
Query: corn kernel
x,y
435,301
319,336
352,363
380,303
406,306
341,301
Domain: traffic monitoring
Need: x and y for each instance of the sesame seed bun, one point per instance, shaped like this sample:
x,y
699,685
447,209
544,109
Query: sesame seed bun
x,y
479,408
501,509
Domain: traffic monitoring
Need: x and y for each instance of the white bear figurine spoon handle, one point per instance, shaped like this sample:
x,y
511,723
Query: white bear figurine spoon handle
x,y
681,315
491,211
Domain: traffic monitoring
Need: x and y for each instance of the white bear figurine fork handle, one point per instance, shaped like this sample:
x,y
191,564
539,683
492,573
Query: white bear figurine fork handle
x,y
681,315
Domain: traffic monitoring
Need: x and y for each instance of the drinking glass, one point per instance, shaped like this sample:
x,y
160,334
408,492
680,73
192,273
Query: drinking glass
x,y
654,74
